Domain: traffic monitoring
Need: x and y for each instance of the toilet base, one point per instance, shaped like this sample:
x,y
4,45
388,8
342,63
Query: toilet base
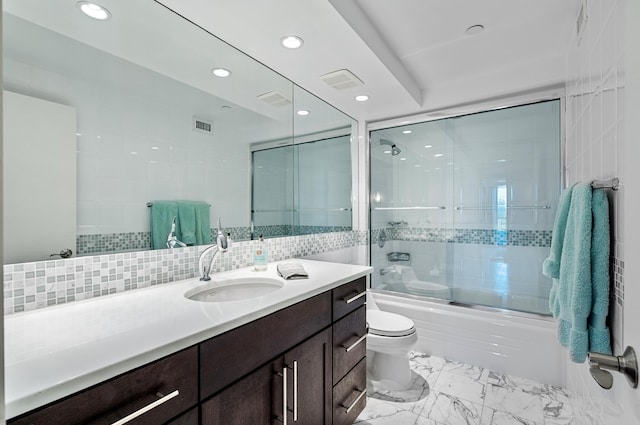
x,y
390,371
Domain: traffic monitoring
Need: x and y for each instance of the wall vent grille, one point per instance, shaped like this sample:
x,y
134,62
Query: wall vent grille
x,y
202,125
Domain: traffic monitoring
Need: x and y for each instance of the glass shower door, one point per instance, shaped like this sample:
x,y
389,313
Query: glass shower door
x,y
462,208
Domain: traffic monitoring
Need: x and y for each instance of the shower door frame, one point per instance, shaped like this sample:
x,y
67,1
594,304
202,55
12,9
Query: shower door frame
x,y
459,111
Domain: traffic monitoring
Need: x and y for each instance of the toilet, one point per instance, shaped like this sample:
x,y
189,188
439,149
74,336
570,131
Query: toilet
x,y
404,279
391,336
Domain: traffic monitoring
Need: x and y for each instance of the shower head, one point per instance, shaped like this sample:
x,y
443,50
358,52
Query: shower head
x,y
395,150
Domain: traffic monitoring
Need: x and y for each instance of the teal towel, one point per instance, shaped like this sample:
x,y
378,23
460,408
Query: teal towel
x,y
599,336
186,225
162,213
579,296
551,266
574,289
203,223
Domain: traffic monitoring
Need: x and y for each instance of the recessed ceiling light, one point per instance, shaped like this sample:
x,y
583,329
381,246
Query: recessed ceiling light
x,y
474,29
302,112
427,146
221,72
94,10
362,98
387,151
403,159
438,155
407,132
291,41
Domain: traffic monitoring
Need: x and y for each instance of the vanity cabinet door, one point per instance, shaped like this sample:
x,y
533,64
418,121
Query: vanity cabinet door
x,y
309,389
256,399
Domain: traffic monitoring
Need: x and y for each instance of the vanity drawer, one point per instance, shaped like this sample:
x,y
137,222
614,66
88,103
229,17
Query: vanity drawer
x,y
349,297
349,342
230,356
116,399
349,395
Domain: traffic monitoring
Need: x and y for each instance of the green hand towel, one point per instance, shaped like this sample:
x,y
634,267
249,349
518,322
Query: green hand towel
x,y
187,222
162,213
203,223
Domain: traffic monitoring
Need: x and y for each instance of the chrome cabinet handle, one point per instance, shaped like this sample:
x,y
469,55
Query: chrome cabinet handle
x,y
352,405
145,409
284,394
355,297
295,391
355,344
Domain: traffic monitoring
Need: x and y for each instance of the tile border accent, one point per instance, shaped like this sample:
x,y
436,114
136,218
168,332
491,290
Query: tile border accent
x,y
533,238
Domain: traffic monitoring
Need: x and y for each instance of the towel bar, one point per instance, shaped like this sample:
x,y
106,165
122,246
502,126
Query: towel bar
x,y
606,184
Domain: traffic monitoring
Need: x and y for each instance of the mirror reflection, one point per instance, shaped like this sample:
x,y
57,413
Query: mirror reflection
x,y
103,118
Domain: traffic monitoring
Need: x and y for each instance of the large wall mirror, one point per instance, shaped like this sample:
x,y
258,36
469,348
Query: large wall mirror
x,y
104,119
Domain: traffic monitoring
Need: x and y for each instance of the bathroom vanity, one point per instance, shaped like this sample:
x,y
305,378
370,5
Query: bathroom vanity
x,y
296,355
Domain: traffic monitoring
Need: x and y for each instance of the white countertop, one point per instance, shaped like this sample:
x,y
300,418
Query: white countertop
x,y
57,351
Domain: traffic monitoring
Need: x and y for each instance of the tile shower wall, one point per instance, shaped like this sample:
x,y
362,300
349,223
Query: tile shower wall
x,y
595,150
30,286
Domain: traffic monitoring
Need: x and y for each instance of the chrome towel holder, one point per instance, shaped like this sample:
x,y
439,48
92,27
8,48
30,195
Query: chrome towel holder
x,y
613,183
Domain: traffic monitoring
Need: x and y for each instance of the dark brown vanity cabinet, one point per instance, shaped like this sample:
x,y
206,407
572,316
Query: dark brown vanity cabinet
x,y
302,365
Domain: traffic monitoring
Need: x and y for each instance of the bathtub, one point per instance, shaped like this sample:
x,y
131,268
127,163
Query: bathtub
x,y
520,344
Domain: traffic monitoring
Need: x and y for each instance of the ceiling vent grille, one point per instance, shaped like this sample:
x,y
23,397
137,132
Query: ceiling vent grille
x,y
202,125
275,98
341,79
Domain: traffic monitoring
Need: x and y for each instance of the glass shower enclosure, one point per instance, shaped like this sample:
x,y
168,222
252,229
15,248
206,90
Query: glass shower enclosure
x,y
462,208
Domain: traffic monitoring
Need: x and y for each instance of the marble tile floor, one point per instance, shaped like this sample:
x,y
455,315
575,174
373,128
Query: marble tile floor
x,y
450,393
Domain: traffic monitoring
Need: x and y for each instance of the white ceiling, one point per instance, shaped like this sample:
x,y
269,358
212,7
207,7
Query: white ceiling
x,y
412,55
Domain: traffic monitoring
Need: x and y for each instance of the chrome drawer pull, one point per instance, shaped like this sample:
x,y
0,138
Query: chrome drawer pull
x,y
148,407
352,346
362,393
284,395
355,297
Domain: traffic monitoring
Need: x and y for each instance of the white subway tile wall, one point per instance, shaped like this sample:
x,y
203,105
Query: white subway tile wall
x,y
594,150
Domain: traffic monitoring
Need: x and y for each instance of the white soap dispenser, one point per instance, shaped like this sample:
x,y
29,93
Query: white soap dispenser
x,y
260,256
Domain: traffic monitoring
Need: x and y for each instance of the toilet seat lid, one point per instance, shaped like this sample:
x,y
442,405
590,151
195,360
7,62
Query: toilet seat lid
x,y
384,323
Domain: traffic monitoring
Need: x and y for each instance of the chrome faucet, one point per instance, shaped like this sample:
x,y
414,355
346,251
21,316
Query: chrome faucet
x,y
222,245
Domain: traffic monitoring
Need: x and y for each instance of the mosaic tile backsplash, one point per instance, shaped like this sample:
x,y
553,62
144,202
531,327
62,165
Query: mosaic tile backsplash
x,y
30,286
136,241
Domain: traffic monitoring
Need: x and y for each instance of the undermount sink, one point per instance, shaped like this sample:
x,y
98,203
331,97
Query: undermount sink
x,y
236,289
